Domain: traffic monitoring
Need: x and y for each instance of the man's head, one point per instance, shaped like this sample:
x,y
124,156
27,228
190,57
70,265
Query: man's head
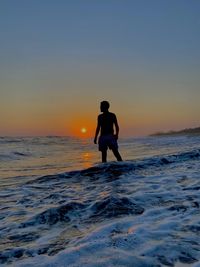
x,y
104,106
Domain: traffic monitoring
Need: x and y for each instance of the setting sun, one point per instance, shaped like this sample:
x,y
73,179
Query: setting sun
x,y
83,130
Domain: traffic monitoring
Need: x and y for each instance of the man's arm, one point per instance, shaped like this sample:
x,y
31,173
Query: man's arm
x,y
116,128
97,131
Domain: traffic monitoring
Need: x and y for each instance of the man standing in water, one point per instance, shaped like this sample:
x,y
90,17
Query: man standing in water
x,y
107,138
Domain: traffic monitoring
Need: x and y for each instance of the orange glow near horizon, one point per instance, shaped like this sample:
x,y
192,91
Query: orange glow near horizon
x,y
83,132
85,128
82,127
82,124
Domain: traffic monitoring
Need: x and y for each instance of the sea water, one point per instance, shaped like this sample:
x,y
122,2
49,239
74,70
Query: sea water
x,y
59,206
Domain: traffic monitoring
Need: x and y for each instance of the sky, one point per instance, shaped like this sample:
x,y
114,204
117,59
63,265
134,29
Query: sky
x,y
60,58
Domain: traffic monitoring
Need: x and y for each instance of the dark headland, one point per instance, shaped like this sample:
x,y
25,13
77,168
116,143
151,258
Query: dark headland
x,y
188,131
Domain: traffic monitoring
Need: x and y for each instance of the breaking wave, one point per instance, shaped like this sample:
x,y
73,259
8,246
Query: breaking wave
x,y
116,169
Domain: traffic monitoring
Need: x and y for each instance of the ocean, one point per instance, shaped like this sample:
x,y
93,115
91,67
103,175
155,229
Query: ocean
x,y
60,206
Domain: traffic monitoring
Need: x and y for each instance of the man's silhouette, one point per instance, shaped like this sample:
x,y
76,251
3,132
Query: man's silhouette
x,y
105,125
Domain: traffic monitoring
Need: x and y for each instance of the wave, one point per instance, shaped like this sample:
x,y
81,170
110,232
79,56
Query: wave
x,y
45,140
155,161
108,207
54,215
73,214
14,155
113,207
116,169
5,140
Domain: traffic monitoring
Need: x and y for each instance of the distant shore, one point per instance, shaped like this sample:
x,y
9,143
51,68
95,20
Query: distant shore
x,y
188,131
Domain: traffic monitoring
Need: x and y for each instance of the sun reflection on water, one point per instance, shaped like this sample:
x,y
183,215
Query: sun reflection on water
x,y
87,159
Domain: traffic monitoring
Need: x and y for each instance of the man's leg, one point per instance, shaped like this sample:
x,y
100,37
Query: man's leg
x,y
117,155
104,155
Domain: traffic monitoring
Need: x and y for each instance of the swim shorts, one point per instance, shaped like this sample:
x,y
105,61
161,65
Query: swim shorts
x,y
107,141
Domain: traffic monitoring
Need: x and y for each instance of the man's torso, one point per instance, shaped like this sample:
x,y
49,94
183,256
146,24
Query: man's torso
x,y
106,122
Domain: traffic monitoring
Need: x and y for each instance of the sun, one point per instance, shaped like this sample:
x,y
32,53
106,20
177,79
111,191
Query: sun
x,y
83,130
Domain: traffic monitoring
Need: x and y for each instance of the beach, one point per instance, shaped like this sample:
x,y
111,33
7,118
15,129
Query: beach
x,y
61,207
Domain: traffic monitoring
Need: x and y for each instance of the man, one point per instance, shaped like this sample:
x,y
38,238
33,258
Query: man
x,y
105,125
